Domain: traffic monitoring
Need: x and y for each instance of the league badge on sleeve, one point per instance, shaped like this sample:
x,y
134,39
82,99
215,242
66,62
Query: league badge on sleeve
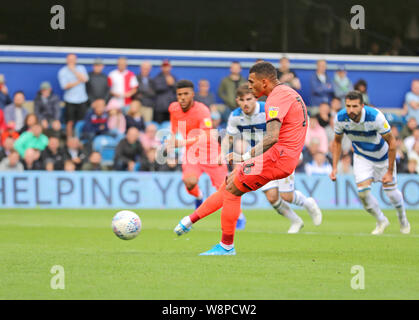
x,y
208,122
273,112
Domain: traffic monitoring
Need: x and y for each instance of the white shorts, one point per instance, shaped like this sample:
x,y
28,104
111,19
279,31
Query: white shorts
x,y
365,169
283,185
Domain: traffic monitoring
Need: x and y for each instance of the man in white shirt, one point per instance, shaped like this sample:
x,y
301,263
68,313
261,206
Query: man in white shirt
x,y
123,83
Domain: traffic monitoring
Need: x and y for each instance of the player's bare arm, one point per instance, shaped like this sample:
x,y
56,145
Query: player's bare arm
x,y
336,152
391,141
269,139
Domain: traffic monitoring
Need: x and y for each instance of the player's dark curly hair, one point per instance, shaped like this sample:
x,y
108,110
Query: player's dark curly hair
x,y
184,84
264,69
354,95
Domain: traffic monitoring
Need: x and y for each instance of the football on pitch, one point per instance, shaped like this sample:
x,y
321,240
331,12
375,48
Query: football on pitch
x,y
126,224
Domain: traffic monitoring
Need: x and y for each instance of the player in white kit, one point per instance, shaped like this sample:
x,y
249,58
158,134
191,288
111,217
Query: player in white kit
x,y
374,157
248,123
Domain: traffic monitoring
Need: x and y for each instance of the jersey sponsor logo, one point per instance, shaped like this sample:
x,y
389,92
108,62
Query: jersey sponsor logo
x,y
273,112
208,122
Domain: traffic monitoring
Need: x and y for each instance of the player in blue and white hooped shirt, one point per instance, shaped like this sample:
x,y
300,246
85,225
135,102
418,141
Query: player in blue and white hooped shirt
x,y
248,123
374,157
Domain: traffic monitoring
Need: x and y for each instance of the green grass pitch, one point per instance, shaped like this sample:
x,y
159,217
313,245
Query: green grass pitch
x,y
270,264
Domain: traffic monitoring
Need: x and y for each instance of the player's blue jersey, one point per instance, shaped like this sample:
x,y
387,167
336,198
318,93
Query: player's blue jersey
x,y
252,127
366,135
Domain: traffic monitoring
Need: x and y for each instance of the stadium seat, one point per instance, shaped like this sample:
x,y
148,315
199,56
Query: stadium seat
x,y
165,125
395,120
106,146
153,122
78,128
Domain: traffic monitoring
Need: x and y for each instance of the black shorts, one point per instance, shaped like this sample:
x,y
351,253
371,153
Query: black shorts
x,y
75,111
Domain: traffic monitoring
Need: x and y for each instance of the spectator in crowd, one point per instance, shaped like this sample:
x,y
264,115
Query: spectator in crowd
x,y
7,147
97,87
308,153
315,130
146,93
11,162
116,119
407,130
72,78
411,101
414,154
335,106
204,95
164,86
150,162
4,93
31,159
341,84
52,156
95,121
129,151
286,75
321,85
374,49
122,82
134,117
345,164
69,166
401,156
319,165
323,117
47,105
411,140
228,88
74,152
32,139
9,132
149,139
16,112
216,120
362,86
412,166
94,163
30,120
55,131
3,123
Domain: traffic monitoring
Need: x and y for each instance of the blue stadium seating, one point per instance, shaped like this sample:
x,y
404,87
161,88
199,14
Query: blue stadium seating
x,y
395,120
78,128
106,146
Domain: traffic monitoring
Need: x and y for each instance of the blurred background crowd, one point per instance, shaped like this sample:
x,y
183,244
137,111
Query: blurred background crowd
x,y
110,121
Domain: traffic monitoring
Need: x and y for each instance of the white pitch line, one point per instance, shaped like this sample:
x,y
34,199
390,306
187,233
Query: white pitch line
x,y
390,235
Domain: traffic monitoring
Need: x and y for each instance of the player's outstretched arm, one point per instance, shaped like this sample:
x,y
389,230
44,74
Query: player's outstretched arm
x,y
336,151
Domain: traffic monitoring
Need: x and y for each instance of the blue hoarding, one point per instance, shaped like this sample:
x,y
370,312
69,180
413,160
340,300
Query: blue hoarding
x,y
166,190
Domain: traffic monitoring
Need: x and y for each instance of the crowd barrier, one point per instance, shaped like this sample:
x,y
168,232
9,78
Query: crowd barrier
x,y
165,190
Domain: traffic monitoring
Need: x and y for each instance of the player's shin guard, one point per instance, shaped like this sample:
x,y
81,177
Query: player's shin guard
x,y
229,215
396,199
213,203
285,210
299,199
370,203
